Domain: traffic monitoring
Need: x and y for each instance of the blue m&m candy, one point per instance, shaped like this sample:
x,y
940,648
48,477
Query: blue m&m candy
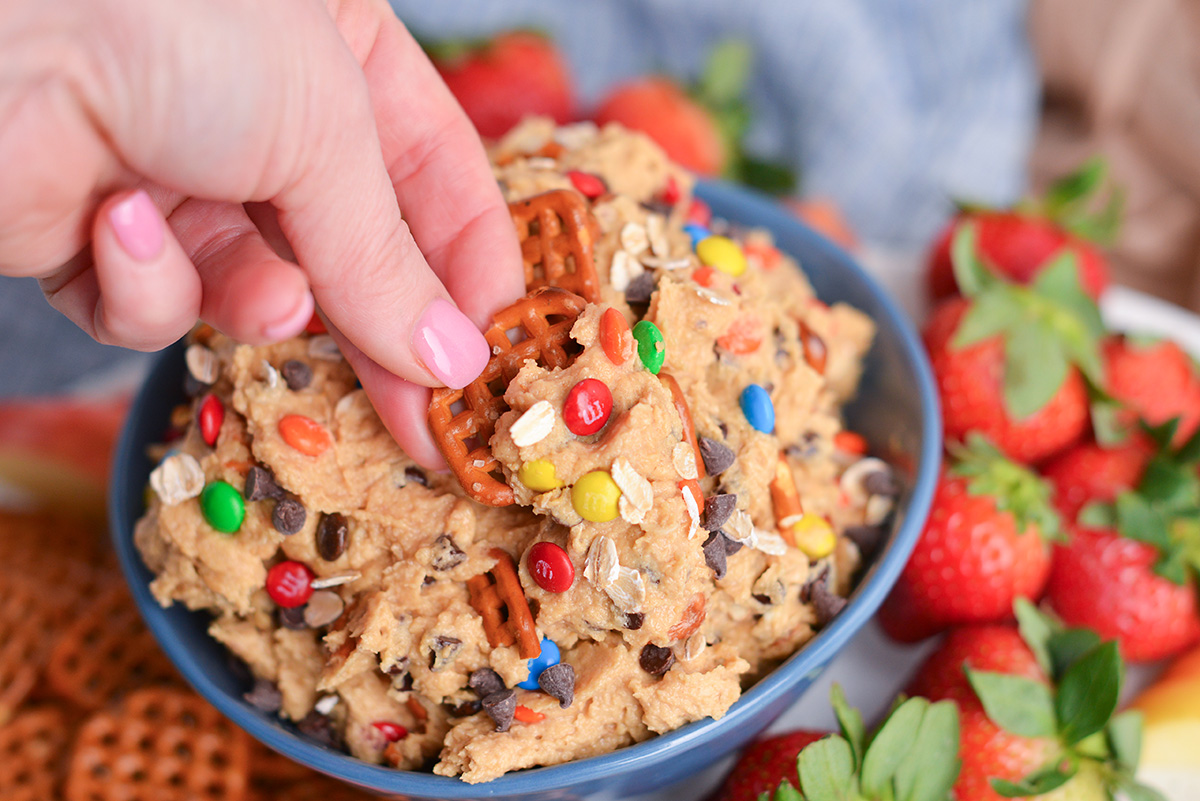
x,y
549,656
757,406
697,232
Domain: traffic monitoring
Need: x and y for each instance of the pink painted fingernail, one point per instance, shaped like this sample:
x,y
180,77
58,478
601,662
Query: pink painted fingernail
x,y
449,344
294,323
138,226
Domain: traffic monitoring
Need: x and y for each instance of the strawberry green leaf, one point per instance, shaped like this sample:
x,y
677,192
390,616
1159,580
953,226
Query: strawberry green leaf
x,y
773,178
891,745
1189,452
1014,703
785,792
1124,733
851,723
1106,420
1088,693
971,274
1014,488
1172,565
726,72
932,765
1071,312
1068,192
1035,367
1037,628
990,315
1043,781
1138,520
1099,228
1169,485
1067,647
826,770
1096,514
1136,791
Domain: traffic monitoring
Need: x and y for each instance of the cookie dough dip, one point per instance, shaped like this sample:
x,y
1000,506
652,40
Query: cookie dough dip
x,y
652,500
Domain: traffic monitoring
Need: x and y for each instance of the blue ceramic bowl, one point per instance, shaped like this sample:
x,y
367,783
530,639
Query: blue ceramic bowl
x,y
896,410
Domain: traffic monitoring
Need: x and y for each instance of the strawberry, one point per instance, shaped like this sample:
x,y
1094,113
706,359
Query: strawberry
x,y
913,755
700,127
984,545
499,82
1092,472
1036,706
1018,242
1154,380
823,215
1010,360
1131,564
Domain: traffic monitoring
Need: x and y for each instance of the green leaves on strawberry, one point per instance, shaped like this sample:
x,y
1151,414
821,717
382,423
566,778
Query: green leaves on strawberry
x,y
1070,203
912,756
1075,709
1047,327
1014,488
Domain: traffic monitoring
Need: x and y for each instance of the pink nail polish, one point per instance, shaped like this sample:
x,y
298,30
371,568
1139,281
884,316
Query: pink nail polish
x,y
294,323
138,226
449,344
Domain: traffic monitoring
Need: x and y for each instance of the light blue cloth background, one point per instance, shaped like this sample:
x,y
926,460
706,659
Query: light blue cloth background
x,y
891,107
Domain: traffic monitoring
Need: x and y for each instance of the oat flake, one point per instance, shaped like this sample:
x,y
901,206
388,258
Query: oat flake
x,y
534,425
634,239
325,704
601,566
627,591
878,508
666,264
336,580
576,135
851,481
619,270
739,528
768,542
693,510
632,485
270,374
541,163
684,459
695,646
712,297
324,348
656,233
201,364
177,479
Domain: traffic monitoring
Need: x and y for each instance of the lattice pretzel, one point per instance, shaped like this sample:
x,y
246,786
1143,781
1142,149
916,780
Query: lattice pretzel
x,y
493,600
559,251
544,317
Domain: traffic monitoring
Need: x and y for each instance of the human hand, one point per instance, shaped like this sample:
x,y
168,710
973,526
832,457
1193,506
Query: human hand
x,y
157,157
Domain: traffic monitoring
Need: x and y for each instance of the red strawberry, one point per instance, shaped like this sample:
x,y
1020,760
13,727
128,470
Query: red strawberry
x,y
660,109
1019,242
1155,380
515,75
984,545
764,764
1091,472
1107,582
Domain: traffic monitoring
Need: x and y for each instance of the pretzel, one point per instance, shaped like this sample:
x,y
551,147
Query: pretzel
x,y
31,745
785,499
105,650
491,597
26,615
685,415
544,318
557,232
161,744
691,619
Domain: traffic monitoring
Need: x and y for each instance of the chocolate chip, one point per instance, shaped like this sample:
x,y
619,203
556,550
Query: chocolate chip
x,y
656,660
444,650
826,603
289,516
558,681
320,728
398,668
714,554
265,696
657,206
333,534
717,456
415,475
485,681
765,600
425,582
867,538
881,482
640,289
717,509
463,710
297,374
292,618
260,484
501,706
446,554
634,620
732,546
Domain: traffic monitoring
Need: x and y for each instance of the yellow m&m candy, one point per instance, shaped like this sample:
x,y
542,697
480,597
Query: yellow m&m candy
x,y
595,497
814,536
539,475
722,253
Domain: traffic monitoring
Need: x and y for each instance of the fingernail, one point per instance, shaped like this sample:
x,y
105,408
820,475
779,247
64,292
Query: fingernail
x,y
294,323
138,226
449,344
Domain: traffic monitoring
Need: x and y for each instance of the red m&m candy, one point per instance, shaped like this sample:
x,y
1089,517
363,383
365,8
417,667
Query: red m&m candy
x,y
210,417
391,731
589,185
290,584
550,567
588,405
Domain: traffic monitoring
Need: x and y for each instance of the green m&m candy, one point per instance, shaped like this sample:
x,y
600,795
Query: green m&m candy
x,y
222,507
650,346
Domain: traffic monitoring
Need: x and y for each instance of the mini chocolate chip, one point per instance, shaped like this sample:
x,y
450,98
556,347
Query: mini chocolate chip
x,y
443,651
260,484
242,673
558,681
333,534
640,289
425,582
398,668
289,516
320,728
292,618
297,374
501,706
463,710
265,696
634,620
717,456
714,554
406,683
724,430
732,546
765,600
446,554
656,660
867,538
717,509
826,603
658,206
881,482
416,476
485,681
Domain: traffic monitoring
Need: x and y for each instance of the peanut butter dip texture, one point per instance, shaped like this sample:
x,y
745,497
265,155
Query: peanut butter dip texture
x,y
674,533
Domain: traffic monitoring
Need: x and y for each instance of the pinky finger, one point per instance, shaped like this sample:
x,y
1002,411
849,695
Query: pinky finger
x,y
149,291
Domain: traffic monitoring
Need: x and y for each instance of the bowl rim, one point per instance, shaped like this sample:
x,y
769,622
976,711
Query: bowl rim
x,y
812,656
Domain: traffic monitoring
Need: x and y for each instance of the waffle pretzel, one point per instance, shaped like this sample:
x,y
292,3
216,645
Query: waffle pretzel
x,y
557,232
498,590
544,319
31,745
